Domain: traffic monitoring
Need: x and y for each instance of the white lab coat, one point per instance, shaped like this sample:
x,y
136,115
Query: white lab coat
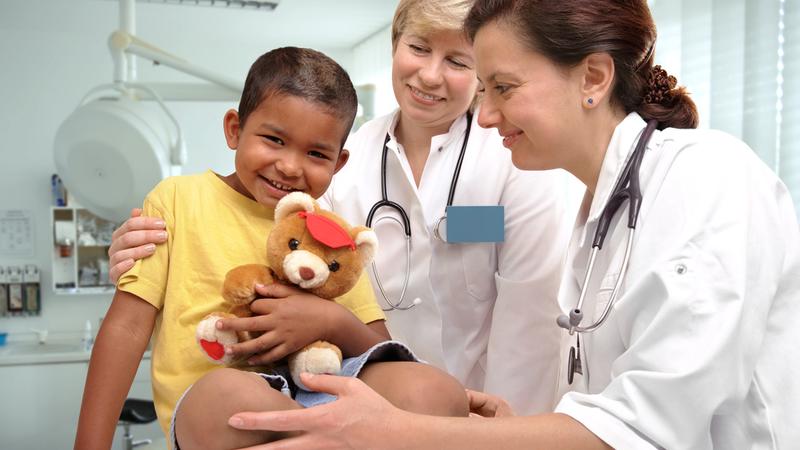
x,y
488,311
701,348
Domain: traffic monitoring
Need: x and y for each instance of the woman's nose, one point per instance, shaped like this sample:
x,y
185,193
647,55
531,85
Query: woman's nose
x,y
431,73
488,114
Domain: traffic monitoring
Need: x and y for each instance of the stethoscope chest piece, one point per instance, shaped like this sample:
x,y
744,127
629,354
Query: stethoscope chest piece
x,y
574,363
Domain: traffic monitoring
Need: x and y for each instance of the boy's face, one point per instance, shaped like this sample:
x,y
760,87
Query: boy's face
x,y
287,144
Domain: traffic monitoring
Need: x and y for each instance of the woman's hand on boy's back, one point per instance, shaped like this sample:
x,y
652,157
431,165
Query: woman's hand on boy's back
x,y
289,319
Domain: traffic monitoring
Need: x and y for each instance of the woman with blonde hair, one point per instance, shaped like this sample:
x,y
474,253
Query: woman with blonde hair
x,y
458,305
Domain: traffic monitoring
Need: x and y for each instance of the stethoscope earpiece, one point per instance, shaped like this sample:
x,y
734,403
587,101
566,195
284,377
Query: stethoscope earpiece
x,y
563,321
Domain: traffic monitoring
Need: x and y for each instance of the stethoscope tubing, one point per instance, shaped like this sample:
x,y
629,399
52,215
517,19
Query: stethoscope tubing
x,y
626,188
399,305
404,220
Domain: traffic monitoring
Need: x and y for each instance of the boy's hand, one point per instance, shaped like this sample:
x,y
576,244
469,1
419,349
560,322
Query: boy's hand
x,y
289,319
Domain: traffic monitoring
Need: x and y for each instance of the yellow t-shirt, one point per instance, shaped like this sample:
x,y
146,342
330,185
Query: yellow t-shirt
x,y
212,228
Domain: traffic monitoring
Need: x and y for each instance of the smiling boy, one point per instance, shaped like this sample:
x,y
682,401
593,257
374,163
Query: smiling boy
x,y
295,113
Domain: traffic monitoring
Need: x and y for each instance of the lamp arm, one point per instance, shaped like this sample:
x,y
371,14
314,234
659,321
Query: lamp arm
x,y
178,150
178,153
121,42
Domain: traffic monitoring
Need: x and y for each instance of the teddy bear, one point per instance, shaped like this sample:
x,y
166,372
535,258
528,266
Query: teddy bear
x,y
308,247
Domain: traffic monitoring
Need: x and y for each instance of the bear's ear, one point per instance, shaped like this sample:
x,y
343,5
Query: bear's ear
x,y
292,203
367,243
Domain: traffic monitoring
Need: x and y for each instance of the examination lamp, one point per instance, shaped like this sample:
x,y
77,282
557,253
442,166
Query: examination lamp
x,y
112,150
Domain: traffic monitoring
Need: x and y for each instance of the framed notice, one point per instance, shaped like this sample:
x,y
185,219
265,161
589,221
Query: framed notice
x,y
16,232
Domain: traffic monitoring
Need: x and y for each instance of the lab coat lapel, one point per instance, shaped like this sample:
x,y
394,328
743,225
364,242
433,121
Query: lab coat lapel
x,y
621,146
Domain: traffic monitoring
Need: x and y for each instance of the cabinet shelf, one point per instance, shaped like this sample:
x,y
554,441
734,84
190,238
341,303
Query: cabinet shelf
x,y
80,252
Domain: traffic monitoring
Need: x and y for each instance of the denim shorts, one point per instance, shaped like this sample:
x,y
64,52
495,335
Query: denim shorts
x,y
280,380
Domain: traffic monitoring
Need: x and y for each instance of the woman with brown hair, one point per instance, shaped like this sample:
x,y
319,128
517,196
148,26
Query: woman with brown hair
x,y
683,337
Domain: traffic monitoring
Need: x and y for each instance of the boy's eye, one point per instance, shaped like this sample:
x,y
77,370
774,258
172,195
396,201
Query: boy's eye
x,y
294,244
418,48
274,139
317,154
333,266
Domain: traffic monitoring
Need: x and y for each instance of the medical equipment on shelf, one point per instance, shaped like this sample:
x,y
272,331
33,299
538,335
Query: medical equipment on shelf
x,y
20,291
627,187
406,223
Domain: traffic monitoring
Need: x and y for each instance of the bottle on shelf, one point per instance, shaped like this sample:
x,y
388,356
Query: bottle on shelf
x,y
88,337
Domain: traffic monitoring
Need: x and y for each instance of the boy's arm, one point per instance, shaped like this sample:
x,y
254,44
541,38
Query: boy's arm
x,y
119,347
352,336
291,318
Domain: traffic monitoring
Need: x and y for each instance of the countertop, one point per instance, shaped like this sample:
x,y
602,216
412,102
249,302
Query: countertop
x,y
51,352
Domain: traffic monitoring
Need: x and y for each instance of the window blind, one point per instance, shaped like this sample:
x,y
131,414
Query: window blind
x,y
740,60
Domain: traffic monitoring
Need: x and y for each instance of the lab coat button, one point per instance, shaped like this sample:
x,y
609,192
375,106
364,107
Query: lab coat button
x,y
680,269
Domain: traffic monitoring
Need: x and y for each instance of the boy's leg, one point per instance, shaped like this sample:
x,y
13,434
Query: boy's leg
x,y
201,421
417,387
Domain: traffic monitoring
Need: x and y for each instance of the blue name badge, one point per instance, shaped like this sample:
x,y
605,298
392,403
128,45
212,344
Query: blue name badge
x,y
475,224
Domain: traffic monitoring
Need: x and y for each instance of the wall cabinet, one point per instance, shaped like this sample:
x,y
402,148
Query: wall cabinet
x,y
80,251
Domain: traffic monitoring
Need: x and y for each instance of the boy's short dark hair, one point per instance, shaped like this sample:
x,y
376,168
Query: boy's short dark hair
x,y
303,73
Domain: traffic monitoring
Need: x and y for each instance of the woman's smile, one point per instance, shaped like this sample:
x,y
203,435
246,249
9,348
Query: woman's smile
x,y
424,97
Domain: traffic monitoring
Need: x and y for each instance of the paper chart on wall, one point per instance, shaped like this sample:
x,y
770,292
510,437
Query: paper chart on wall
x,y
16,232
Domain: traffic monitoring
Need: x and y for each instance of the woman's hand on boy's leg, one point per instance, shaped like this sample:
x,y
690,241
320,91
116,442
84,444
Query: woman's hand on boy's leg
x,y
134,239
289,319
485,405
360,418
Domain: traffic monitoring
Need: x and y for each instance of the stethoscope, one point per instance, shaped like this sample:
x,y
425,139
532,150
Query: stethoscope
x,y
627,187
406,223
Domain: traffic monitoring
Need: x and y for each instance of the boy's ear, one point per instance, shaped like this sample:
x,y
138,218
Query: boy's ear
x,y
341,160
231,126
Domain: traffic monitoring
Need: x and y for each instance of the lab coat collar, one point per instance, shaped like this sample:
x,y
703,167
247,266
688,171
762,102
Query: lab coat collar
x,y
392,144
441,141
454,134
625,137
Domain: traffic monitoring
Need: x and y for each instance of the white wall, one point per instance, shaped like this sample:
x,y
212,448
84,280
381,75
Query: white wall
x,y
372,64
51,53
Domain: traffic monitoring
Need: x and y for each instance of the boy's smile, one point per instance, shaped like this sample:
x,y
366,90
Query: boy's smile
x,y
287,144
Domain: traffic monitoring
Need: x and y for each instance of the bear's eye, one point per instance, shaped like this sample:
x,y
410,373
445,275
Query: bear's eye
x,y
293,244
334,266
